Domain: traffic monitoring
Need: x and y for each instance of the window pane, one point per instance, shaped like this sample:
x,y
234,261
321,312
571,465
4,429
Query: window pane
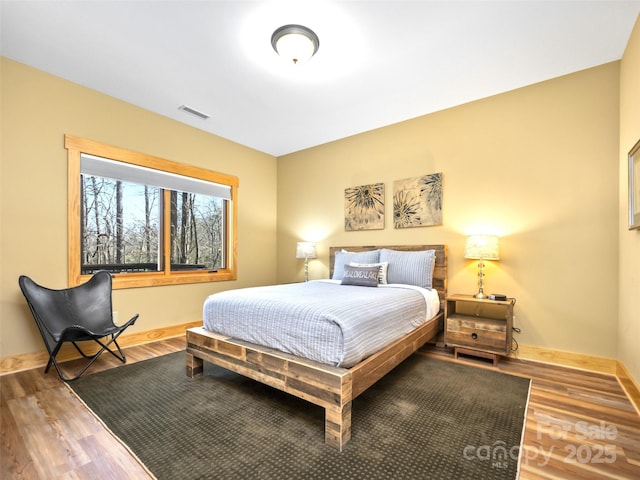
x,y
111,227
120,226
197,232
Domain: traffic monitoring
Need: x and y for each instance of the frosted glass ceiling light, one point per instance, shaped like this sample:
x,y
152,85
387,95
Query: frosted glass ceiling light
x,y
295,43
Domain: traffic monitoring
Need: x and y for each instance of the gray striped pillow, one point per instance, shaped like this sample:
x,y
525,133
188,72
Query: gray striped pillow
x,y
411,268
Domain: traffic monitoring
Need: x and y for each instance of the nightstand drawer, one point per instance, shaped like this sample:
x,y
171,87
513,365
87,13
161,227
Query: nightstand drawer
x,y
483,334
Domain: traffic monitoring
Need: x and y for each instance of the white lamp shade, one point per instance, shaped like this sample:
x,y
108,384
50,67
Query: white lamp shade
x,y
295,48
483,247
306,250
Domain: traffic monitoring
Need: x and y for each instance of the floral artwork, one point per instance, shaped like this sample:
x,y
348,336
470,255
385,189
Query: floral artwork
x,y
417,201
364,207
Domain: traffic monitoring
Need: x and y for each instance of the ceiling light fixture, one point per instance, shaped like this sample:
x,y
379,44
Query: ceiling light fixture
x,y
295,43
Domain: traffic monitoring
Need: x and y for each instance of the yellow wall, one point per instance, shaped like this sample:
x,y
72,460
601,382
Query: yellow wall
x,y
537,166
37,110
629,323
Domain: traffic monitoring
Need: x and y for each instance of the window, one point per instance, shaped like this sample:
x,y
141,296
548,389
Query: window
x,y
147,220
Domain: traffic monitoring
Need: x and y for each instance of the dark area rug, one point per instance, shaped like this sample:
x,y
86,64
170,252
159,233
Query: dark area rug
x,y
427,419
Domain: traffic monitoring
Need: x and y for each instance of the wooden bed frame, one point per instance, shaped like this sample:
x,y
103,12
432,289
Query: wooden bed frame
x,y
332,388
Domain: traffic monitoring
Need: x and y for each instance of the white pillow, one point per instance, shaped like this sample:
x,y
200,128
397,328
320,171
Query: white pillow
x,y
382,274
344,257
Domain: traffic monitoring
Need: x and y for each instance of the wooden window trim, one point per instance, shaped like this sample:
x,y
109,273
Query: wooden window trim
x,y
75,147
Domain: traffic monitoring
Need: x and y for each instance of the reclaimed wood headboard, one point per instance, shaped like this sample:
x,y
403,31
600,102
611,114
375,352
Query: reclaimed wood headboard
x,y
439,272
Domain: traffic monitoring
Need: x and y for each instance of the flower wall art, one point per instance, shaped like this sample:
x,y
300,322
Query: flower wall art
x,y
417,201
364,207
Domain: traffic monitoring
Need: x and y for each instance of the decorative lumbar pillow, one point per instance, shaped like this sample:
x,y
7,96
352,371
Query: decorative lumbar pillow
x,y
361,276
382,274
410,268
344,257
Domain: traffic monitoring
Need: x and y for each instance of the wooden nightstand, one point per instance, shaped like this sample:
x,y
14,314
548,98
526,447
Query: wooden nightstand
x,y
479,327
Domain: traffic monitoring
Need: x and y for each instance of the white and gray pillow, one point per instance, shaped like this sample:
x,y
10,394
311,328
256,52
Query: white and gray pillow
x,y
361,276
382,274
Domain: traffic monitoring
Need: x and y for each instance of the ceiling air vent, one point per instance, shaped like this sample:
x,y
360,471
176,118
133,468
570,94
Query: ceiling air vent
x,y
193,111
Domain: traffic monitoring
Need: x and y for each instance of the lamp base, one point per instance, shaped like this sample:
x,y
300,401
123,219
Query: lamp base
x,y
480,294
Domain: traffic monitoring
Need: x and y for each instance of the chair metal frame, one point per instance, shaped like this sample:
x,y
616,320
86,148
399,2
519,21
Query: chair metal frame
x,y
75,314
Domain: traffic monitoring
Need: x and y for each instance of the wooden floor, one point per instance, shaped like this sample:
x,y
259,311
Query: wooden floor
x,y
579,424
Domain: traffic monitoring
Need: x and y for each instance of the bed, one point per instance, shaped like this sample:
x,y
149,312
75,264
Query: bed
x,y
333,385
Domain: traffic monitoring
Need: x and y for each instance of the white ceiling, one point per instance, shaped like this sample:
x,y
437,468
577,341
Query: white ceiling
x,y
379,62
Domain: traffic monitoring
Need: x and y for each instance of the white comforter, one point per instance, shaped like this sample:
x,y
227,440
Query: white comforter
x,y
321,320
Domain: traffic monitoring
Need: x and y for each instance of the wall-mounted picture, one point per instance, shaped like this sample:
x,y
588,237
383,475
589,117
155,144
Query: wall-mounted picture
x,y
634,187
364,207
417,201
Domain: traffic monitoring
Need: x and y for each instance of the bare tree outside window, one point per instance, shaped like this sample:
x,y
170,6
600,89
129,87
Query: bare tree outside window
x,y
121,223
121,228
148,220
197,231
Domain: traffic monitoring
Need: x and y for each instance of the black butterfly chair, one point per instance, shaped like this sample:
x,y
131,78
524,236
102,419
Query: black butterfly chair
x,y
73,315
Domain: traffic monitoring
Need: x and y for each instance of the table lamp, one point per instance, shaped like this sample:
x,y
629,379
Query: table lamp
x,y
306,250
481,247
